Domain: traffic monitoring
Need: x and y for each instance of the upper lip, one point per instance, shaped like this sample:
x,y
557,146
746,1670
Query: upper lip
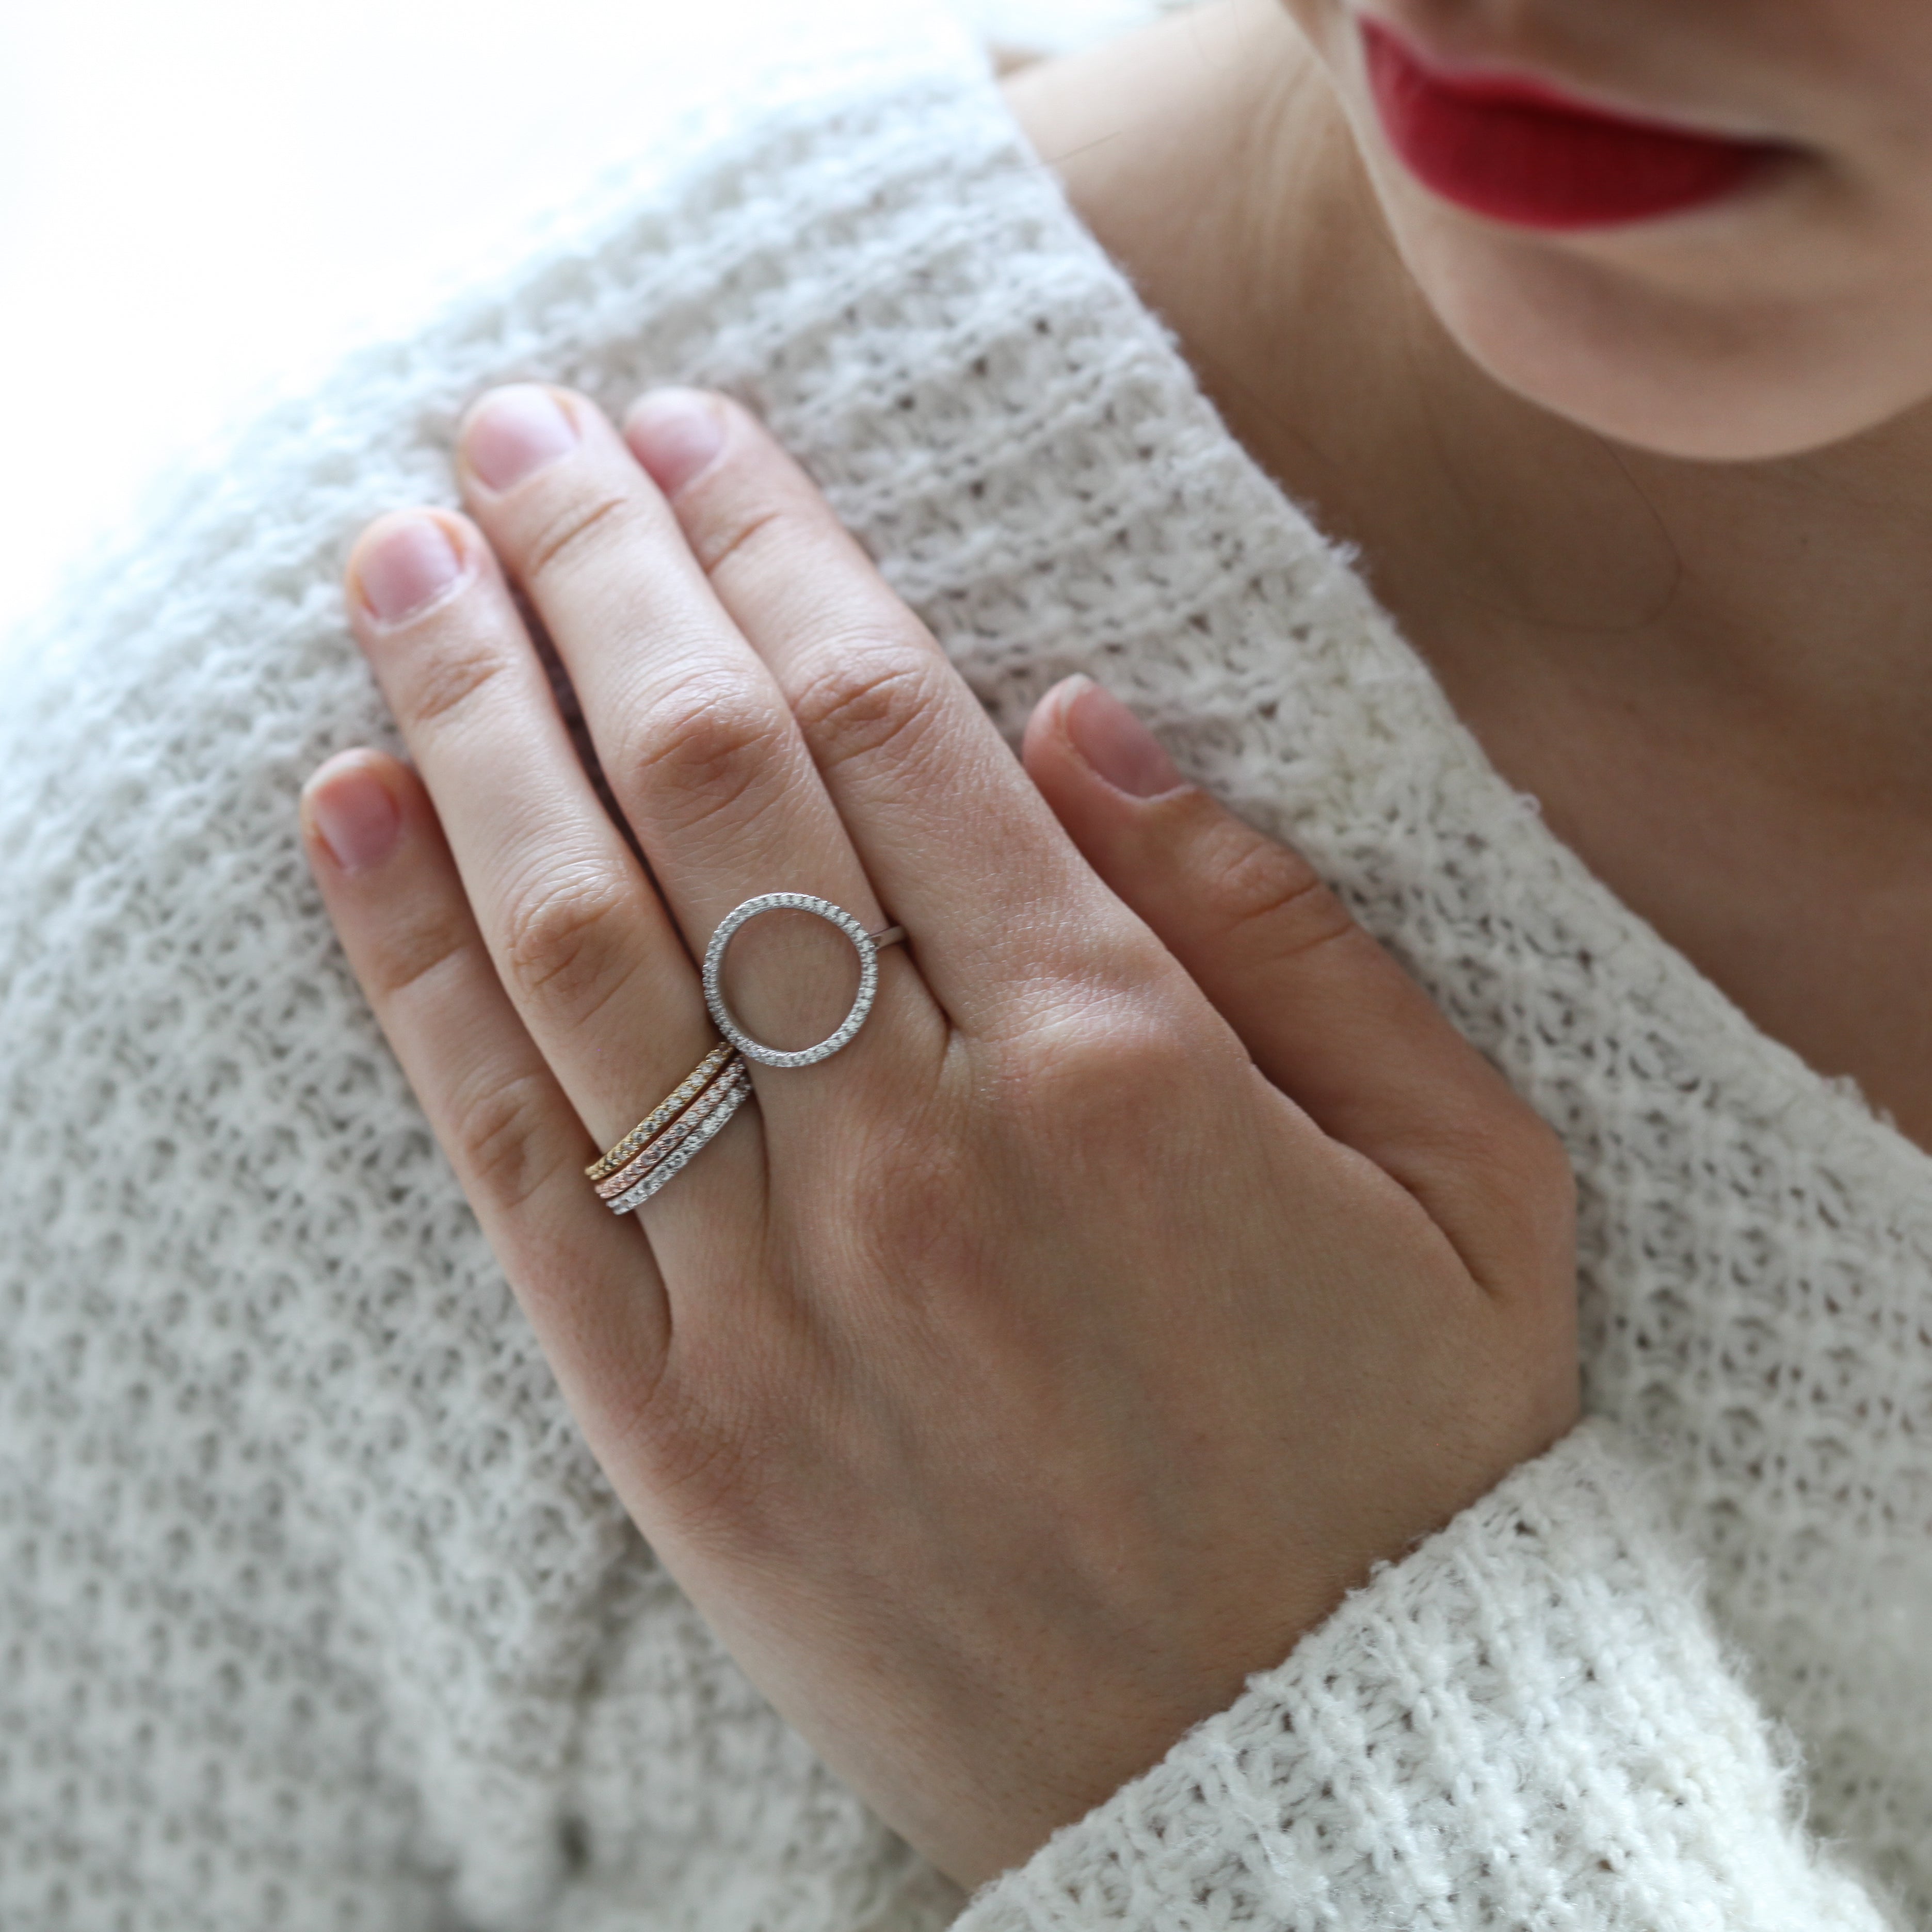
x,y
1511,76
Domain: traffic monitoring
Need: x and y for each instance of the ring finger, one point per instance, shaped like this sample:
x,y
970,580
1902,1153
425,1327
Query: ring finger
x,y
581,942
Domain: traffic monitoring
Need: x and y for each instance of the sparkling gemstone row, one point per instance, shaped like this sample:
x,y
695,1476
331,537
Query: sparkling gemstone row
x,y
735,1074
664,1112
713,974
663,1171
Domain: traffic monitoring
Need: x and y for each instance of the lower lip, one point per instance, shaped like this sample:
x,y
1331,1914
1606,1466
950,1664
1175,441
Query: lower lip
x,y
1518,153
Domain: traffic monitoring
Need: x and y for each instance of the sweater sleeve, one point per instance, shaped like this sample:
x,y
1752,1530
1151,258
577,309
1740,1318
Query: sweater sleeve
x,y
1530,1721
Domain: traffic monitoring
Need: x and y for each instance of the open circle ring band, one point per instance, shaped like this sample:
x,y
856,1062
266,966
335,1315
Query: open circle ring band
x,y
867,945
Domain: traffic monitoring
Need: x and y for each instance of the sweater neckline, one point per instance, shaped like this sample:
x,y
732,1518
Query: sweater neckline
x,y
1762,1078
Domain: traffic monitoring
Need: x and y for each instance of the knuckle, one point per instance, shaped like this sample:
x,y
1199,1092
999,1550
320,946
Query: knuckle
x,y
1541,1178
911,1193
564,940
730,531
1537,1152
1512,1144
1518,1190
448,680
496,1142
705,750
1266,897
1098,1062
875,698
577,524
711,1476
717,1460
413,956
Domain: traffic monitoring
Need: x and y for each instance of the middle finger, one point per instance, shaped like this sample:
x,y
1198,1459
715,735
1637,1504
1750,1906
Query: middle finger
x,y
701,748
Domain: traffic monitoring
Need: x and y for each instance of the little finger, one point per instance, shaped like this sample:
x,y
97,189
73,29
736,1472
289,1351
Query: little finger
x,y
593,967
585,1279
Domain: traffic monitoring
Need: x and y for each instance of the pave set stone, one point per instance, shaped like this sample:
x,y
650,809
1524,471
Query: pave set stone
x,y
734,1076
726,1021
741,1092
660,1115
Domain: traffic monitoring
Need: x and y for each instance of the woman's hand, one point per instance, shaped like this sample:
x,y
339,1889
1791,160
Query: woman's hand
x,y
1007,1388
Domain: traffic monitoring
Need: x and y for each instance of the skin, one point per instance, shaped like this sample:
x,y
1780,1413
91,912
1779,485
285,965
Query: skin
x,y
1652,502
996,1467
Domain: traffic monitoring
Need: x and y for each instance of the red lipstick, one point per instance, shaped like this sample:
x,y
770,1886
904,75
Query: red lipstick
x,y
1518,152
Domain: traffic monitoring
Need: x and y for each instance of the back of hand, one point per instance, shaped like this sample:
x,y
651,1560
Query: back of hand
x,y
1153,1260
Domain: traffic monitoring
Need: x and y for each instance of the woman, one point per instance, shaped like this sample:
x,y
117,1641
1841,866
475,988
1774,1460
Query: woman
x,y
1121,1405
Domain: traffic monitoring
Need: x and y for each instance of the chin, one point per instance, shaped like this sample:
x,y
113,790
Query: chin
x,y
1698,367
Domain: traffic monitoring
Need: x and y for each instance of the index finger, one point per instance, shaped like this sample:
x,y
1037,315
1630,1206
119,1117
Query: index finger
x,y
954,835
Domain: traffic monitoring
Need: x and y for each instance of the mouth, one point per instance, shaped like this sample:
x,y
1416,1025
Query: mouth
x,y
1515,151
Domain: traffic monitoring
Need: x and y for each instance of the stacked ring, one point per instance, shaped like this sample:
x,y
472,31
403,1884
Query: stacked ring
x,y
660,1115
666,1155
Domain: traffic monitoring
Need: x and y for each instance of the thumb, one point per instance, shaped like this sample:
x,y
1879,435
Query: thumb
x,y
1326,1014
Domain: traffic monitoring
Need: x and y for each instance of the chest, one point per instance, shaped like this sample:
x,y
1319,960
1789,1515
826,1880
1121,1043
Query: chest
x,y
1755,1254
1807,903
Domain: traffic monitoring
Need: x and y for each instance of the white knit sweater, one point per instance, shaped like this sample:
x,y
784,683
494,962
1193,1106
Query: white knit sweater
x,y
314,1610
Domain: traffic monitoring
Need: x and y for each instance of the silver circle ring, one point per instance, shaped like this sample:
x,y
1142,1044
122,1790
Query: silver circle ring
x,y
865,944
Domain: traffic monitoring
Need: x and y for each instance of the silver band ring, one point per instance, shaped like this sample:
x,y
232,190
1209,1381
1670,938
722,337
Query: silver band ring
x,y
660,1116
678,1132
731,1092
866,944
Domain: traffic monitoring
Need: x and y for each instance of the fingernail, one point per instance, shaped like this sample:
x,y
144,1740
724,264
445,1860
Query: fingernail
x,y
354,814
674,434
409,564
514,433
1117,745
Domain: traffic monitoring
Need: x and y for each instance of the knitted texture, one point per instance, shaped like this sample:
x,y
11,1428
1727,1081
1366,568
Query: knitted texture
x,y
1526,1724
315,1612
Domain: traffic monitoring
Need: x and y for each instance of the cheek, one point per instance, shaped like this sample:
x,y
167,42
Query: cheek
x,y
1879,52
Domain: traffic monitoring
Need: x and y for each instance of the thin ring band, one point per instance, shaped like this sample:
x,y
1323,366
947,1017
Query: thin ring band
x,y
863,943
677,1133
661,1116
674,1163
627,1174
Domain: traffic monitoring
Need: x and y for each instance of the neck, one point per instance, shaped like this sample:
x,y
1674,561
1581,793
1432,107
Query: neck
x,y
1787,605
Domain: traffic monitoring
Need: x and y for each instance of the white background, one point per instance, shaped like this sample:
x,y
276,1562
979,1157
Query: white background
x,y
200,199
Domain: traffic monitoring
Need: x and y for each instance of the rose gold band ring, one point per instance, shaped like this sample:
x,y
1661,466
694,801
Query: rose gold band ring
x,y
661,1115
692,1130
731,1076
